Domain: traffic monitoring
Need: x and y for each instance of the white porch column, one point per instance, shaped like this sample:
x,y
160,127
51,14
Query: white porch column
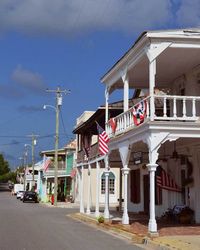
x,y
106,104
107,172
45,191
154,141
152,53
152,221
125,152
152,73
97,189
126,90
125,218
81,191
38,182
89,191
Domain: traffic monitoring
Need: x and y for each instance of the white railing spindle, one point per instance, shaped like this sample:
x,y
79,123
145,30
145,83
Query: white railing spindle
x,y
174,108
148,108
184,108
194,108
165,107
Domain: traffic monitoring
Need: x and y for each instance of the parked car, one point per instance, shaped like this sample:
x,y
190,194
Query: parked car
x,y
22,195
30,197
19,194
18,187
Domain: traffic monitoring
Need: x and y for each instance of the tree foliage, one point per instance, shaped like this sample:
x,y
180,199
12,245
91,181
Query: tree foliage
x,y
4,166
11,176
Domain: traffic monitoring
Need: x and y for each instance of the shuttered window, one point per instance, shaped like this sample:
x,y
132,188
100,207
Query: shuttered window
x,y
135,186
69,164
111,183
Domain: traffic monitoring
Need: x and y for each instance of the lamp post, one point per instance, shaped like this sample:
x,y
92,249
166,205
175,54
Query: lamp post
x,y
57,110
56,151
22,159
32,150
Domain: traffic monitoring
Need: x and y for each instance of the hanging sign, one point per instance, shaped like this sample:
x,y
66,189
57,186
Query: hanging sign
x,y
137,158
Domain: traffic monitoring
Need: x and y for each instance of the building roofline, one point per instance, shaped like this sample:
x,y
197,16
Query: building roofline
x,y
146,36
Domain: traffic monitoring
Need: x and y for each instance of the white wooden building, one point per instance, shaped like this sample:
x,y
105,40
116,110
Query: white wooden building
x,y
166,65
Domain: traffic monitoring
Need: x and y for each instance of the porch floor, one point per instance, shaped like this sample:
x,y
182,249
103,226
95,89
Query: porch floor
x,y
139,225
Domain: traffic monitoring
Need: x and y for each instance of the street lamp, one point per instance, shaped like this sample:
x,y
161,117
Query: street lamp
x,y
49,106
32,149
22,165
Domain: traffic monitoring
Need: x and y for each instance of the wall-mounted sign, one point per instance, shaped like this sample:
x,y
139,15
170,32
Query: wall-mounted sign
x,y
137,158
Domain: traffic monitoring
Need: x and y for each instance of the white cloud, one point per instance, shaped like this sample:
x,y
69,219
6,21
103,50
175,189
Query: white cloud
x,y
28,80
188,13
69,17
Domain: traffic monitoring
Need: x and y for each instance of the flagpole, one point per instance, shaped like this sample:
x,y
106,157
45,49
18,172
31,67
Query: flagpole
x,y
103,140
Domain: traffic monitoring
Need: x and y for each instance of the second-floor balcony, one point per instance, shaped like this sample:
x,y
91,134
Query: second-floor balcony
x,y
61,169
93,153
29,177
51,173
155,108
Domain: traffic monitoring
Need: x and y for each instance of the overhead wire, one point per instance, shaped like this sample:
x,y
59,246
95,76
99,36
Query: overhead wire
x,y
63,123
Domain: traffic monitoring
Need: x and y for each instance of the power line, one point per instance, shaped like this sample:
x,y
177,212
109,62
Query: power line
x,y
63,123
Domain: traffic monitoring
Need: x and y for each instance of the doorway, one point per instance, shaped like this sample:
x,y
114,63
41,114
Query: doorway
x,y
146,193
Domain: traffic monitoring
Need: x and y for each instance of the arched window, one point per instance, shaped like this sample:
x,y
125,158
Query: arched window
x,y
111,183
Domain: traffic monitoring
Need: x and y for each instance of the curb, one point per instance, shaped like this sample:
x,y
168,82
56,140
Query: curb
x,y
144,241
137,239
48,204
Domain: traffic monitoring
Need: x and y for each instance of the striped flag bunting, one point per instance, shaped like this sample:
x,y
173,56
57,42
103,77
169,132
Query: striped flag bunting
x,y
27,171
164,181
139,112
73,173
112,122
103,140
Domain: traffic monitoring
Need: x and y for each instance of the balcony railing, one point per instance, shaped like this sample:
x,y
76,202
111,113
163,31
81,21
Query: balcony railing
x,y
61,169
61,166
94,152
29,177
156,107
61,172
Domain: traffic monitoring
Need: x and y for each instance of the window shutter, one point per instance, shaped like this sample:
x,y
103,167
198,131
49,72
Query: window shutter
x,y
135,186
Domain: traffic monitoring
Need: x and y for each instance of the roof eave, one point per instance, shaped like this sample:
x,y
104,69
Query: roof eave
x,y
140,40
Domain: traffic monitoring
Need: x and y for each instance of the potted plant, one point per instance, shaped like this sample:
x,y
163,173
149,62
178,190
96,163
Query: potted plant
x,y
100,219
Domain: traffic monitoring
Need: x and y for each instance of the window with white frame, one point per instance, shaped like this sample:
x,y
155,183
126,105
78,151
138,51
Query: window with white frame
x,y
111,183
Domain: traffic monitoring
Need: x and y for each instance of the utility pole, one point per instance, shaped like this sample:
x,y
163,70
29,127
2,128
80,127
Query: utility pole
x,y
58,93
33,139
25,167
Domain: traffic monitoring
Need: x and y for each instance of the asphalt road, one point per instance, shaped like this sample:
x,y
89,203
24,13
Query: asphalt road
x,y
30,226
4,187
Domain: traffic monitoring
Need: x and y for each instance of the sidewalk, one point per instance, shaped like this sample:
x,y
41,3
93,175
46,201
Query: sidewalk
x,y
177,237
170,237
61,204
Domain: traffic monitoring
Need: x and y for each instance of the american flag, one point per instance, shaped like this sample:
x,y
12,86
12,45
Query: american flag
x,y
139,112
73,173
27,171
164,181
103,140
46,163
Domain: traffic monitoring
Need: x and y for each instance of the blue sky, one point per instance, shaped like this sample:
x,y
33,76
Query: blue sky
x,y
71,44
